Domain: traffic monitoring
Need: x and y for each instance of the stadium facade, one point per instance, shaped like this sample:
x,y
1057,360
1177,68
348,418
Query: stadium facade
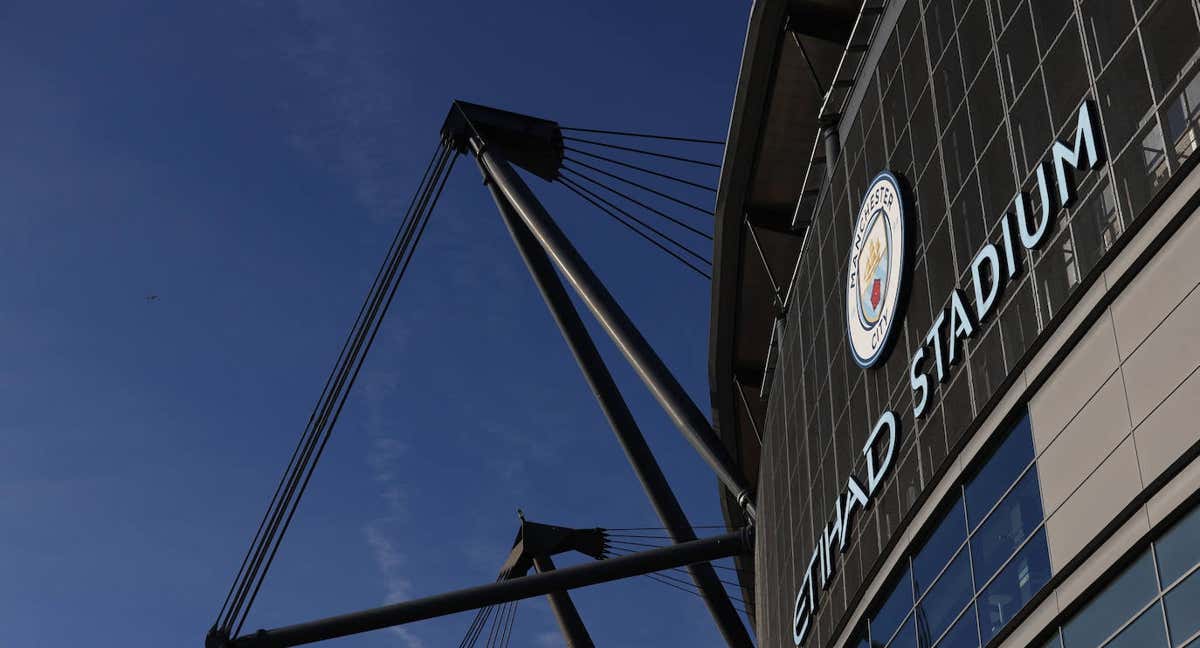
x,y
956,331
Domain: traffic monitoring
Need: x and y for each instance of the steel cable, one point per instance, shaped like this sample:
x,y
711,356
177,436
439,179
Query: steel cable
x,y
640,233
639,185
632,149
297,475
324,390
637,202
661,234
644,135
424,222
635,167
328,399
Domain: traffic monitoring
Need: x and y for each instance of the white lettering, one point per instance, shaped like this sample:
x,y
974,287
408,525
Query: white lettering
x,y
875,475
984,303
1085,141
919,382
961,327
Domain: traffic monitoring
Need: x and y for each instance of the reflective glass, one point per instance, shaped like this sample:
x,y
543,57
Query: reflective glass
x,y
1066,79
1107,23
1049,16
1146,632
893,610
1181,117
945,600
1124,94
999,472
1007,527
974,38
964,634
1170,37
1057,273
1113,606
1096,225
1014,586
1018,55
1141,169
1183,609
1178,550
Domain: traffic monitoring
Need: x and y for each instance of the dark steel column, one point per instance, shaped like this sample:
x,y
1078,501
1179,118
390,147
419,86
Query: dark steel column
x,y
602,571
662,383
645,466
568,617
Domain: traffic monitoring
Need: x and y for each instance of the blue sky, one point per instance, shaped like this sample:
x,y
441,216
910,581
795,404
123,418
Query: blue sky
x,y
247,163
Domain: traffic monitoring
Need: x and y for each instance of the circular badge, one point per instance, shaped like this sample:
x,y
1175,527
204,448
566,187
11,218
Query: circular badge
x,y
875,273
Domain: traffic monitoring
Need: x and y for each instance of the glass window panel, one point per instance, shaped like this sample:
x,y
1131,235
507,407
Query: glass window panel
x,y
974,38
916,67
1146,632
1020,323
908,23
909,478
1170,38
1066,76
950,88
1183,609
999,472
1007,527
919,317
931,200
1057,273
945,600
892,611
923,131
1016,584
937,550
957,400
1141,170
1107,23
1005,10
895,109
987,365
1180,115
939,259
969,222
1113,606
870,102
1049,17
1096,225
958,152
874,150
1018,54
889,62
1124,94
939,25
1178,550
900,160
1031,126
932,442
964,634
987,109
996,180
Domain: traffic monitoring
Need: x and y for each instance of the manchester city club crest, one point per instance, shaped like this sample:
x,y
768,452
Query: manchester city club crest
x,y
874,276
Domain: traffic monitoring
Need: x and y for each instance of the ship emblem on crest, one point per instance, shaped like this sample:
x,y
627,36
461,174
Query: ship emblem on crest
x,y
875,267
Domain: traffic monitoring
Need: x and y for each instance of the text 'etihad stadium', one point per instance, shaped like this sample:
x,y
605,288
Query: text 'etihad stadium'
x,y
875,285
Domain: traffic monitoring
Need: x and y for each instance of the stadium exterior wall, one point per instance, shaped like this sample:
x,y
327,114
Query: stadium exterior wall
x,y
1034,481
